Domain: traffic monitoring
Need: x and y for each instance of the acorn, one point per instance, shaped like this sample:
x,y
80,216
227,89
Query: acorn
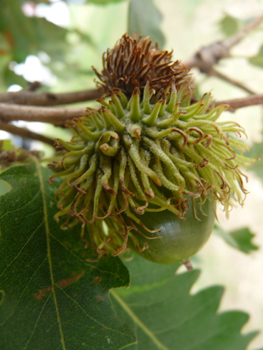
x,y
146,169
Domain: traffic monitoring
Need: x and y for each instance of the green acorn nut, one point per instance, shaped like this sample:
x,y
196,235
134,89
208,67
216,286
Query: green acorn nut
x,y
179,239
146,171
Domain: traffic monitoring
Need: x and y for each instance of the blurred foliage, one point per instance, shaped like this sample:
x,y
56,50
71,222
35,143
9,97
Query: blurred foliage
x,y
243,238
257,60
145,19
229,25
5,145
28,35
71,50
257,153
239,239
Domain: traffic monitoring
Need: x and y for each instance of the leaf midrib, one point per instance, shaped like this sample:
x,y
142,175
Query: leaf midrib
x,y
136,320
42,188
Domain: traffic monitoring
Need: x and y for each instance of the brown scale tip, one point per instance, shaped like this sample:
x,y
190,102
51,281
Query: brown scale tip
x,y
134,62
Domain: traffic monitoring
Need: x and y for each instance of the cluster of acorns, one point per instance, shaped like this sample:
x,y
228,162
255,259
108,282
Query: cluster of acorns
x,y
146,169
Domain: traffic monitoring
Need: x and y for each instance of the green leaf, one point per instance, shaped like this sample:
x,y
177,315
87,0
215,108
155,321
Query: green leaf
x,y
10,78
257,60
229,25
5,187
144,19
163,315
256,152
28,35
4,61
239,239
243,237
6,145
50,296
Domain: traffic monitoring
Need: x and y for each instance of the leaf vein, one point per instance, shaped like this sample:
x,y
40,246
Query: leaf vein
x,y
199,310
21,295
80,259
89,316
39,316
23,206
22,249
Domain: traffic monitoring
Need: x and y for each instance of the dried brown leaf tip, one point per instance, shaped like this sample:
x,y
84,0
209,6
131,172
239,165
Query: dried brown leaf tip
x,y
134,62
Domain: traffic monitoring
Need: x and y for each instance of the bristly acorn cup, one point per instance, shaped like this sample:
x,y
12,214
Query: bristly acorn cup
x,y
146,169
132,63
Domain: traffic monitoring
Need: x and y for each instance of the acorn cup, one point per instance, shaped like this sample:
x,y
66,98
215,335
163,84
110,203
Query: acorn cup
x,y
146,169
134,62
